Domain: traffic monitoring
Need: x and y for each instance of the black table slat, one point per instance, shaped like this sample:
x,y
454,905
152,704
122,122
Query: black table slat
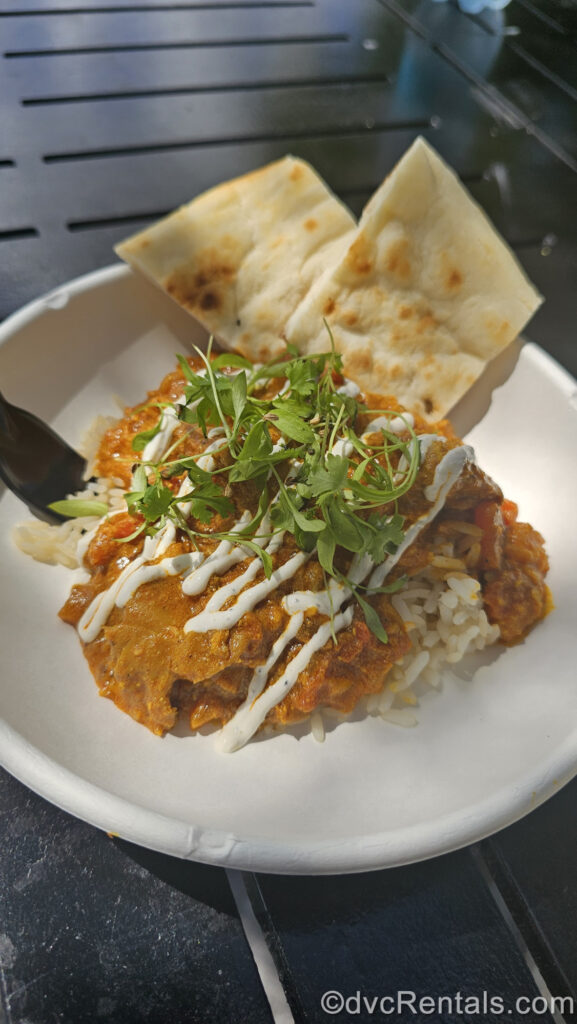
x,y
201,27
533,863
172,121
558,14
90,932
523,33
102,77
518,91
554,273
58,7
428,928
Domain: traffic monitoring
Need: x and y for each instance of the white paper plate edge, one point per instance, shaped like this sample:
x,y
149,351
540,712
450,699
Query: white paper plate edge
x,y
177,838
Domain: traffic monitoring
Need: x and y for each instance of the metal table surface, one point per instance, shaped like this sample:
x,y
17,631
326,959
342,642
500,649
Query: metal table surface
x,y
113,112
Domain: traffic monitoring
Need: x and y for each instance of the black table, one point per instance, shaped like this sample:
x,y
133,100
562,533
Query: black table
x,y
112,113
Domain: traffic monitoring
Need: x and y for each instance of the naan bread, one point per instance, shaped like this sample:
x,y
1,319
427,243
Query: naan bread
x,y
426,294
242,256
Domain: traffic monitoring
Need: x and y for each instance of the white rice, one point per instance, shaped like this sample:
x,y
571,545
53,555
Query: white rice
x,y
317,727
58,544
446,621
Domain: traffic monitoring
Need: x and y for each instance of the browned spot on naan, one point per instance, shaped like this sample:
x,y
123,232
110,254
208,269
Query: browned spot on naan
x,y
454,280
498,329
204,289
359,257
209,301
426,322
397,261
359,359
311,224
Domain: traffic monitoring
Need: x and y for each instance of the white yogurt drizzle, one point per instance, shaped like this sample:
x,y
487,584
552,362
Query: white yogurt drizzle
x,y
349,388
342,447
205,462
252,713
168,423
140,571
196,570
447,472
394,425
211,618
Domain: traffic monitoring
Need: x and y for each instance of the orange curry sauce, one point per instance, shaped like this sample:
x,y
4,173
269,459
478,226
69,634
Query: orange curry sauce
x,y
153,670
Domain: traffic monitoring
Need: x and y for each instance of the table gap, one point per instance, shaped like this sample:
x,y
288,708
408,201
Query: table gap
x,y
536,64
521,922
510,110
12,234
297,83
108,222
524,54
545,18
493,97
203,44
229,5
162,147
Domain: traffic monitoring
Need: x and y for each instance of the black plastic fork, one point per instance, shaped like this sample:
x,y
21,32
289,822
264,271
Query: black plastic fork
x,y
35,463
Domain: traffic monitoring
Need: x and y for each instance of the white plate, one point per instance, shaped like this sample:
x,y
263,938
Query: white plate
x,y
487,749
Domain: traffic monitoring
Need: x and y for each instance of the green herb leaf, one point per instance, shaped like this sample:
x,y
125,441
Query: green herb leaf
x,y
390,588
139,478
306,524
328,502
226,359
386,536
328,478
238,393
140,441
258,443
76,508
187,370
206,499
291,426
345,525
152,503
372,619
326,547
255,548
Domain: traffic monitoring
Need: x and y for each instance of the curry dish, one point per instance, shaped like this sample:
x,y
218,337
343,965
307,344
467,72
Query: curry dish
x,y
177,618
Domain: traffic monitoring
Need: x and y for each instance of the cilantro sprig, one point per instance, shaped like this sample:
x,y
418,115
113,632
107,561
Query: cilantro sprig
x,y
290,430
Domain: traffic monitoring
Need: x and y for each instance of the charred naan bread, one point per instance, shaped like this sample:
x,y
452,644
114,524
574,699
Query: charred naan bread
x,y
426,294
241,256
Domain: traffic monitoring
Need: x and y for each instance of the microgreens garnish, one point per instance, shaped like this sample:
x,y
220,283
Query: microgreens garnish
x,y
317,476
77,508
